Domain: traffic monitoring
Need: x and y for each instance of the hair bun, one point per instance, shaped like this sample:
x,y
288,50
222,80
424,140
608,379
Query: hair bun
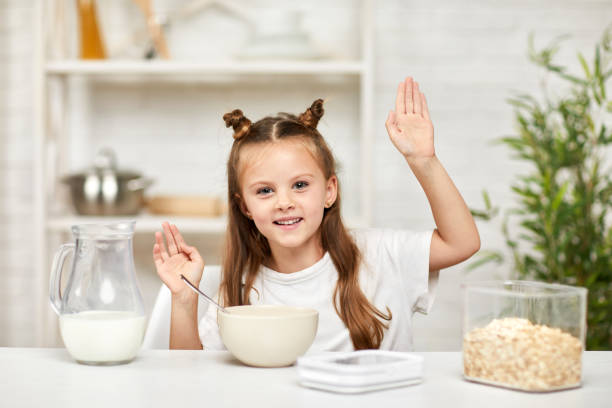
x,y
313,114
238,122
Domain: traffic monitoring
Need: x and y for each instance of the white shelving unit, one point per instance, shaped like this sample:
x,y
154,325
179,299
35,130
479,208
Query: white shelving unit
x,y
53,78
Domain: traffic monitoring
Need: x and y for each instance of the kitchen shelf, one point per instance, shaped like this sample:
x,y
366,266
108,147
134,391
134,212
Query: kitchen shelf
x,y
144,223
156,67
55,105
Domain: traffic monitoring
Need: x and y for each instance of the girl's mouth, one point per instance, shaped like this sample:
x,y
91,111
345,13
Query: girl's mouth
x,y
288,222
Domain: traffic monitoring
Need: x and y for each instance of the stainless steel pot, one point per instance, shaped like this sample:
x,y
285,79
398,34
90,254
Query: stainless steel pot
x,y
104,190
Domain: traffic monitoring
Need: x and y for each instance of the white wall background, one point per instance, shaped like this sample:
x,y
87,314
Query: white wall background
x,y
468,56
16,146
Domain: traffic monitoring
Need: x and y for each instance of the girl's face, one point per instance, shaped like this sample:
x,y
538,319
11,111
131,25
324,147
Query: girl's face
x,y
285,192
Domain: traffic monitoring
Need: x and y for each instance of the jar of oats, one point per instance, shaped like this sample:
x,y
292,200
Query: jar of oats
x,y
523,335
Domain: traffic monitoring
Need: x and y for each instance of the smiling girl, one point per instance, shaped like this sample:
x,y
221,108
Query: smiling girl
x,y
286,242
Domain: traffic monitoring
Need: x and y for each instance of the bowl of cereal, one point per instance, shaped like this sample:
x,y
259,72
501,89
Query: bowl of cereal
x,y
267,335
523,335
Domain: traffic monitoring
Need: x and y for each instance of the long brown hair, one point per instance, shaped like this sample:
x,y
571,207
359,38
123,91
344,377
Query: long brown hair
x,y
246,249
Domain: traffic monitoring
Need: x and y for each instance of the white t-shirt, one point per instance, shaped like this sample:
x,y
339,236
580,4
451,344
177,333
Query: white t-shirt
x,y
394,274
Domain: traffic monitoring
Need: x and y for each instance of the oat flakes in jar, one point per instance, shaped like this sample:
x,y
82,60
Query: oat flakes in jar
x,y
524,335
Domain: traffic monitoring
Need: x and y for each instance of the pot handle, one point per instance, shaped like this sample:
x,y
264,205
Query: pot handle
x,y
55,281
139,183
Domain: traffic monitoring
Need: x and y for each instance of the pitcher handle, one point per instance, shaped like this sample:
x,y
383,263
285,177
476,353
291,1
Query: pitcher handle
x,y
55,281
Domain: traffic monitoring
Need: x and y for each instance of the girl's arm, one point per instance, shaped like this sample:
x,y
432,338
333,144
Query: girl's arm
x,y
179,259
411,131
184,325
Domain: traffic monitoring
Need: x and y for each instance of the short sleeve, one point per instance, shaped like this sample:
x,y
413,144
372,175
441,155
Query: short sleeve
x,y
425,301
208,329
405,254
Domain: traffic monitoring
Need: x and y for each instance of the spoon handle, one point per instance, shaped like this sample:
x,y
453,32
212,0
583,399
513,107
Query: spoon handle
x,y
196,290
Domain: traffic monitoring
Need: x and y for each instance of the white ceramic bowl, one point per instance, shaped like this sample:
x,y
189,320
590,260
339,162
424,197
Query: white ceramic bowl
x,y
268,335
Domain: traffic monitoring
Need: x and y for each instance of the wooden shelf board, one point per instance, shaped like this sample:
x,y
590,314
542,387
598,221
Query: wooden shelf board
x,y
145,223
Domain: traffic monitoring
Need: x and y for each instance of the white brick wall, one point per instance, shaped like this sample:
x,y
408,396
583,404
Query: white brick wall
x,y
468,56
16,230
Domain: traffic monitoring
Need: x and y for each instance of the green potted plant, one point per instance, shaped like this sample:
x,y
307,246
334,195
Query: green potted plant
x,y
560,229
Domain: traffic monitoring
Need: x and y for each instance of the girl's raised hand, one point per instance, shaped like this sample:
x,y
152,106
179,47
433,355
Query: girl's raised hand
x,y
178,259
409,126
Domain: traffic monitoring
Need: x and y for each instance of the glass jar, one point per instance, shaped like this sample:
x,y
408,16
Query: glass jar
x,y
523,335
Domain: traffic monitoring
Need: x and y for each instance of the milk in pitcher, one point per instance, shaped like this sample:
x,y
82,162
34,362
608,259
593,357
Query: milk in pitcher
x,y
102,337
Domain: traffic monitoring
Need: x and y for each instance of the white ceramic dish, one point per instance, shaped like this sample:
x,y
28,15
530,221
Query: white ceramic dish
x,y
268,335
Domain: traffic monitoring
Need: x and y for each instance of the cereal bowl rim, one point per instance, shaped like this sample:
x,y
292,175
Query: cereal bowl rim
x,y
298,312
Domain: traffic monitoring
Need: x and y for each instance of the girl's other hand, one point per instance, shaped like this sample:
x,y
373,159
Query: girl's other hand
x,y
409,126
178,259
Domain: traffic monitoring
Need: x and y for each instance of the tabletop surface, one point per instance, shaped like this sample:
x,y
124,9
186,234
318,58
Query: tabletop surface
x,y
50,378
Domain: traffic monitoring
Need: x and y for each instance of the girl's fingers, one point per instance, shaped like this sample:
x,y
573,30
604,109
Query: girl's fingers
x,y
408,96
172,247
416,94
400,99
425,109
157,258
192,253
159,243
178,238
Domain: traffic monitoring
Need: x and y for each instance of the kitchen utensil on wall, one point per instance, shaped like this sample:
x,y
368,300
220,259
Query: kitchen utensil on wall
x,y
155,30
105,190
101,311
91,40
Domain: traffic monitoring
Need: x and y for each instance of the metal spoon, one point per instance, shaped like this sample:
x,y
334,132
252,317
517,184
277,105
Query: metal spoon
x,y
198,291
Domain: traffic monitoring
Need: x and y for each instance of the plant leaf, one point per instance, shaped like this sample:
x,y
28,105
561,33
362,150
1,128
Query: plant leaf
x,y
559,197
585,66
485,257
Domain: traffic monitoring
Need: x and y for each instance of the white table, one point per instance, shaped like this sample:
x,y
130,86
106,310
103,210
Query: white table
x,y
159,378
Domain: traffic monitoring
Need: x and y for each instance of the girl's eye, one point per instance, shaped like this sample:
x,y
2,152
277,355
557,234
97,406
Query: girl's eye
x,y
264,190
300,185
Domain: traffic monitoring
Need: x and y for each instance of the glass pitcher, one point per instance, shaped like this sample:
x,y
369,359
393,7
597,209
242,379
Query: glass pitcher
x,y
101,311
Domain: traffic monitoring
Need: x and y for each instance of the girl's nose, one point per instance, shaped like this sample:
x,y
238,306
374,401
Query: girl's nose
x,y
284,203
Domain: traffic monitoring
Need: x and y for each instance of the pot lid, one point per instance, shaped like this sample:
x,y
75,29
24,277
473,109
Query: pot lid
x,y
105,165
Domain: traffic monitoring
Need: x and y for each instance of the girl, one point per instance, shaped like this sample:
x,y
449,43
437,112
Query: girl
x,y
286,242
